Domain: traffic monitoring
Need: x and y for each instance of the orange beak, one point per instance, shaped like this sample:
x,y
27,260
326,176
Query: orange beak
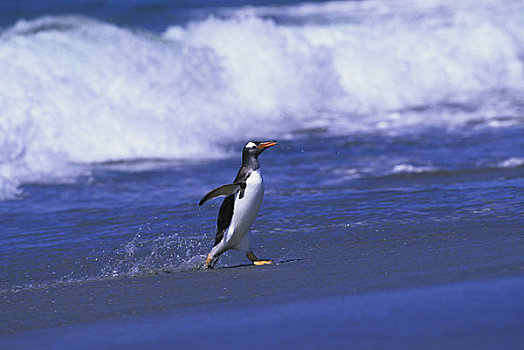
x,y
267,144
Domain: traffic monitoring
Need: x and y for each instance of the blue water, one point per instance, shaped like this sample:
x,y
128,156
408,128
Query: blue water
x,y
154,15
393,205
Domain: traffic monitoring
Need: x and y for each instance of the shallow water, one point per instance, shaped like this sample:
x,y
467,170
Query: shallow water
x,y
122,243
393,210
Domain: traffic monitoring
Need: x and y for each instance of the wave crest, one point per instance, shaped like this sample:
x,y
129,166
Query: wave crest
x,y
76,91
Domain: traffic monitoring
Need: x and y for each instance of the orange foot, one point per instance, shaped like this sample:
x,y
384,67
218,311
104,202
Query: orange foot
x,y
262,262
208,264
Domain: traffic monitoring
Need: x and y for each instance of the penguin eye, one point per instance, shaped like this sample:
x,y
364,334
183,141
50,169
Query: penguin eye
x,y
251,145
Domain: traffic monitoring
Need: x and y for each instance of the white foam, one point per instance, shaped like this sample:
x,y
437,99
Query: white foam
x,y
368,60
75,91
512,162
410,169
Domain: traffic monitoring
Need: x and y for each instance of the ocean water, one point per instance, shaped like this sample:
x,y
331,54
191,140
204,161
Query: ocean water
x,y
394,203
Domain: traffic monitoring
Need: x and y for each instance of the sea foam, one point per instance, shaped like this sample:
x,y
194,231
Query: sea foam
x,y
76,91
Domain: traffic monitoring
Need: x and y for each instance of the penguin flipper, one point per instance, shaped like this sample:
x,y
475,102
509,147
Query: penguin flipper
x,y
224,190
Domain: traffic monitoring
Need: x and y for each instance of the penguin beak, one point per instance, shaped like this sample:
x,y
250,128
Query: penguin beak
x,y
267,144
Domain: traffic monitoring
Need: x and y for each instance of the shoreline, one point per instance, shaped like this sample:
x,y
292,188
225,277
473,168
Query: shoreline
x,y
470,313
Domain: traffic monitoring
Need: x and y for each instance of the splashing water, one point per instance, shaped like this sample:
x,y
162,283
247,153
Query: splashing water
x,y
164,254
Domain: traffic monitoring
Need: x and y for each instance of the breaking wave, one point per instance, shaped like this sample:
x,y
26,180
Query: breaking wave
x,y
75,91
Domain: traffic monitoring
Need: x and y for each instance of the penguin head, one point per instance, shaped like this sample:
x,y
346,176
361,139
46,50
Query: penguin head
x,y
255,148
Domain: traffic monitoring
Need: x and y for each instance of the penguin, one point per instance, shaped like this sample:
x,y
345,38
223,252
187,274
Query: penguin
x,y
240,207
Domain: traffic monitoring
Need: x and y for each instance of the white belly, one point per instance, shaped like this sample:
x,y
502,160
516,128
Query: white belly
x,y
245,209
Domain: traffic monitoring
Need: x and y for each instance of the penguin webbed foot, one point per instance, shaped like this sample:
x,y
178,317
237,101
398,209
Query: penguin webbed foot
x,y
209,263
263,262
257,261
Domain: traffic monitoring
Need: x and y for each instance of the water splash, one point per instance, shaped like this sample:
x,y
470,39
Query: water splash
x,y
164,254
147,253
